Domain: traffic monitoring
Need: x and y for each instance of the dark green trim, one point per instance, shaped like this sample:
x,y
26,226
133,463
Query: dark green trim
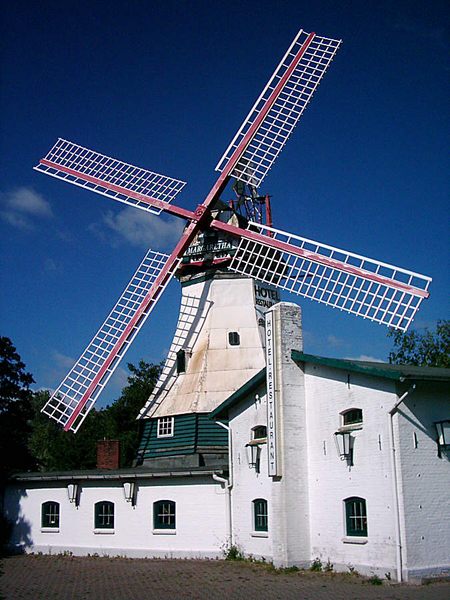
x,y
221,412
260,515
355,517
201,279
50,514
164,514
385,370
104,515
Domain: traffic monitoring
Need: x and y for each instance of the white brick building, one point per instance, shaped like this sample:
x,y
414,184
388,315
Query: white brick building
x,y
359,476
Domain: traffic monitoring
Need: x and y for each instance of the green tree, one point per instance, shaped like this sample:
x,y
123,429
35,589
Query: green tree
x,y
120,417
15,411
427,349
57,450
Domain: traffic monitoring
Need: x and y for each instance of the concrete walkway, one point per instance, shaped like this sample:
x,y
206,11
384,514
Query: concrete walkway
x,y
39,577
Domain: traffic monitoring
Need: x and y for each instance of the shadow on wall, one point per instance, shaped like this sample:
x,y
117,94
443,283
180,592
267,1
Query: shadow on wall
x,y
15,530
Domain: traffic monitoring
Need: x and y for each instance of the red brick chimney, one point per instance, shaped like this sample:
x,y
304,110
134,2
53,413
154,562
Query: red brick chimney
x,y
108,454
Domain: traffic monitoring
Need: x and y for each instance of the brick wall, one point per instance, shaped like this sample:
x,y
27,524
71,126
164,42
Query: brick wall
x,y
108,454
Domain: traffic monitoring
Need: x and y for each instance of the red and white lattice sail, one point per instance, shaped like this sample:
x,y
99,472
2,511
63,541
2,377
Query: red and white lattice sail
x,y
352,283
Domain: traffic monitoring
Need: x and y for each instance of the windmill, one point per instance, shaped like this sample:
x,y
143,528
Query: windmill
x,y
350,282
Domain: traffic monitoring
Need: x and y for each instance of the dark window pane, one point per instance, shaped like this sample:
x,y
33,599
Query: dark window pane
x,y
164,514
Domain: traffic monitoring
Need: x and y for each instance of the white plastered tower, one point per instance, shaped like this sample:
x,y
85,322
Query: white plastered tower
x,y
221,333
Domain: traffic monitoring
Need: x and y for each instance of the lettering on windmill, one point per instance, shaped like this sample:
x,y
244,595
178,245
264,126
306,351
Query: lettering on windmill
x,y
266,297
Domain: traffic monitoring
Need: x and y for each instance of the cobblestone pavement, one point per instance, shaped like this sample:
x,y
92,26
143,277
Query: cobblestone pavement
x,y
78,578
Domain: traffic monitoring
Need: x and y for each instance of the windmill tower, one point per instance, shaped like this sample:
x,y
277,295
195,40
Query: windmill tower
x,y
350,282
217,347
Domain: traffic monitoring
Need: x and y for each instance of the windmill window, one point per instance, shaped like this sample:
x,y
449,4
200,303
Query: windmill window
x,y
234,338
104,515
181,361
353,417
50,515
260,517
164,514
355,517
165,427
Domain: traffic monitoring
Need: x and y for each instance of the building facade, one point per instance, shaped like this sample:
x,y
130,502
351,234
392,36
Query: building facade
x,y
308,458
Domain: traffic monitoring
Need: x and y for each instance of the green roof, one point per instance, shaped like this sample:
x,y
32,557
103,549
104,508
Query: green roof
x,y
252,384
377,369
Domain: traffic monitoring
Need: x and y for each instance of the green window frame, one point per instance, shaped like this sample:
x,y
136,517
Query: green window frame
x,y
355,516
164,514
50,514
260,514
104,515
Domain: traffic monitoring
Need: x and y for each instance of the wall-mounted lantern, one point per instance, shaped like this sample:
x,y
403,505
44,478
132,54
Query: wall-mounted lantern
x,y
253,455
443,434
344,444
129,491
73,493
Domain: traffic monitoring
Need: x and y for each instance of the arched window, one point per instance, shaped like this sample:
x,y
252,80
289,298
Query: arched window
x,y
104,515
260,520
164,514
352,416
50,514
355,516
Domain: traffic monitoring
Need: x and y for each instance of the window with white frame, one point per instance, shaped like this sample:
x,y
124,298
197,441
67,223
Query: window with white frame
x,y
165,427
50,514
234,338
355,517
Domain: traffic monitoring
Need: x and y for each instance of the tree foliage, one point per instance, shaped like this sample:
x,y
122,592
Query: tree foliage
x,y
428,349
15,411
120,417
29,440
57,450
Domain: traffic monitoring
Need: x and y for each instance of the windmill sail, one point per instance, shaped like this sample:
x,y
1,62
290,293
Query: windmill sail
x,y
353,283
76,395
108,176
278,109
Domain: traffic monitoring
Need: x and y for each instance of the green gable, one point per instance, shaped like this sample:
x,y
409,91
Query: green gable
x,y
192,433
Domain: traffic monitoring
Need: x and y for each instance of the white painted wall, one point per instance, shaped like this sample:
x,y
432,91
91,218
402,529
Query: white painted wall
x,y
200,519
247,483
424,480
331,480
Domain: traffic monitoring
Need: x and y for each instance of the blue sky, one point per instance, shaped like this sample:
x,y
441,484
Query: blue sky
x,y
165,85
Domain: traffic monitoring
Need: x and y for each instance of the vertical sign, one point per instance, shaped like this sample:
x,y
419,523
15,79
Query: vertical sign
x,y
271,405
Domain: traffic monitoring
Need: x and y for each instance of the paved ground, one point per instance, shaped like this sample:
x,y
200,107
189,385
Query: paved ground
x,y
77,578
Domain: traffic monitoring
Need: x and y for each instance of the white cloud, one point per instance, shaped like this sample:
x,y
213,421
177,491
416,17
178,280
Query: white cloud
x,y
22,206
334,341
139,228
365,357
